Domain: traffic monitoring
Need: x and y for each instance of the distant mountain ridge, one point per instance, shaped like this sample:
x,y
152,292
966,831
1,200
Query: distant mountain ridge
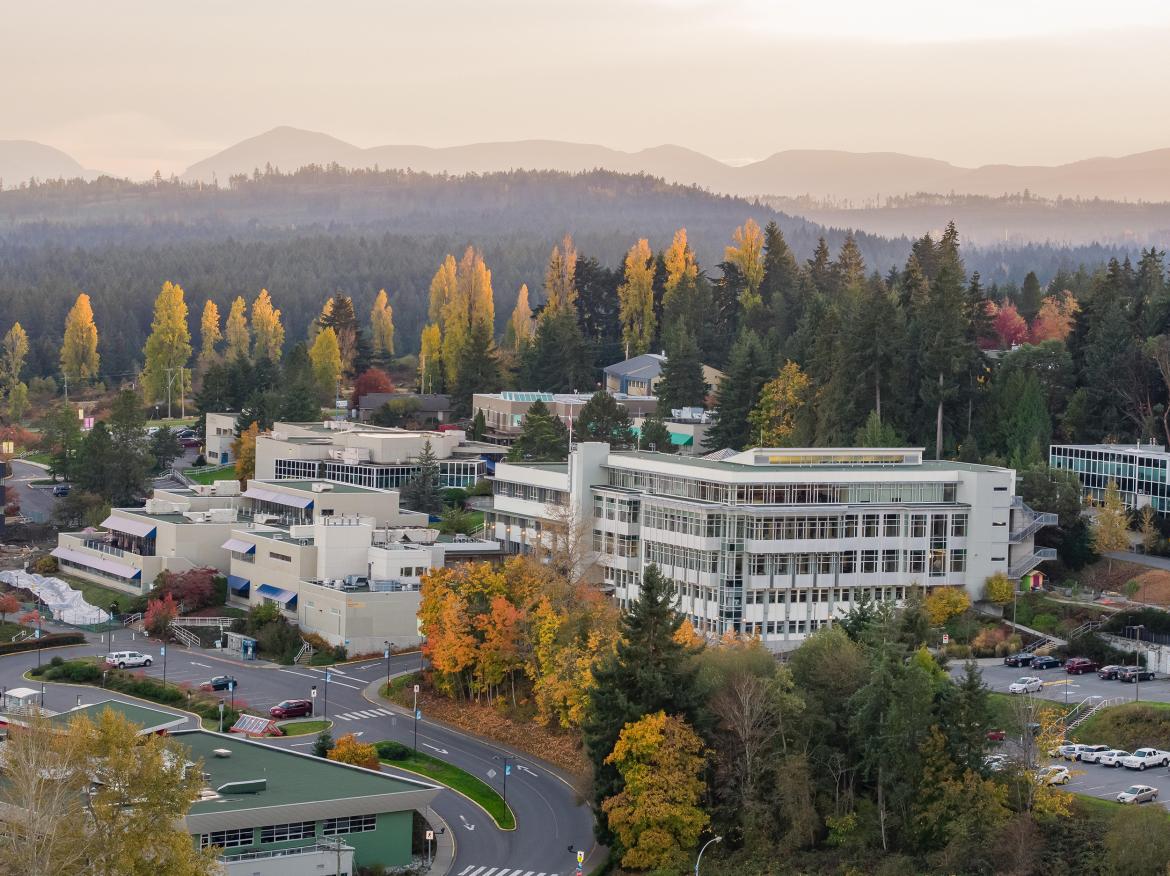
x,y
855,176
22,160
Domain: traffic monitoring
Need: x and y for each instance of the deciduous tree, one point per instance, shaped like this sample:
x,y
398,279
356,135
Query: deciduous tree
x,y
747,254
382,325
636,297
326,358
244,450
349,750
560,288
520,324
267,330
79,353
237,333
209,336
168,349
776,418
1111,523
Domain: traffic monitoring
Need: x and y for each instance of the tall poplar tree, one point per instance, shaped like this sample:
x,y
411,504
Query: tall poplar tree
x,y
636,297
520,325
340,316
209,336
325,355
79,353
430,360
13,352
560,288
239,338
382,325
267,330
747,254
168,349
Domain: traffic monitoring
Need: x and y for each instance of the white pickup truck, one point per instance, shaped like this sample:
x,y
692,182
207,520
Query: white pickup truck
x,y
1146,757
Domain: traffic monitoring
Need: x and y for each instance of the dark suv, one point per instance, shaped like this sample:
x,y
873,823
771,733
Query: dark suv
x,y
1021,659
1045,663
1135,673
1109,672
1079,666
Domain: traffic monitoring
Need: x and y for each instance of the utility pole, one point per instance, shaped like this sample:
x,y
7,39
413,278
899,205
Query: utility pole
x,y
417,714
182,392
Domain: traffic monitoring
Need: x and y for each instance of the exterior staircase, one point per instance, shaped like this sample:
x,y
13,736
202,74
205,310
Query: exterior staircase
x,y
305,654
1086,709
183,635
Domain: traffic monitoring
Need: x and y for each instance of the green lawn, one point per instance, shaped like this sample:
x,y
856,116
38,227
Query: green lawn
x,y
40,456
304,728
1127,723
8,629
210,476
174,423
97,595
459,780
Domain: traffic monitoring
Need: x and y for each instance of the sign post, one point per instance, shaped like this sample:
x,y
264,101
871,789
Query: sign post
x,y
417,715
221,715
163,649
328,678
313,701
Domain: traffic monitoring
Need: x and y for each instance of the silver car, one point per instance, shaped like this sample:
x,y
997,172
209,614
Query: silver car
x,y
1138,794
1027,684
1092,753
1112,758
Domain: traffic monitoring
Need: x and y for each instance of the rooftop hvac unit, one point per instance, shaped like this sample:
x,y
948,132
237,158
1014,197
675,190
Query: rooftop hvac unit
x,y
422,536
321,487
222,515
226,488
197,516
265,518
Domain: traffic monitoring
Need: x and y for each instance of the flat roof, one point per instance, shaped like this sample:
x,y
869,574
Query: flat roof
x,y
291,777
1143,449
307,486
150,720
544,466
699,462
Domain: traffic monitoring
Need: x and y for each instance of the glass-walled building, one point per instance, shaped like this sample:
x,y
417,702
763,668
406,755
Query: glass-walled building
x,y
1139,470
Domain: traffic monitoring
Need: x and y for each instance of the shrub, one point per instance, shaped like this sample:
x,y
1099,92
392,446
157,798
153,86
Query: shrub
x,y
349,750
52,640
57,661
1130,726
1045,623
200,461
193,589
985,644
390,750
44,565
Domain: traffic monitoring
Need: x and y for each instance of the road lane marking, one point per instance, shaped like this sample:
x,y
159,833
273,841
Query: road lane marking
x,y
204,665
342,717
435,748
301,674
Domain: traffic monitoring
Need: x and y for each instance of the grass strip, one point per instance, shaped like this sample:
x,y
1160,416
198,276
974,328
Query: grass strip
x,y
458,780
304,728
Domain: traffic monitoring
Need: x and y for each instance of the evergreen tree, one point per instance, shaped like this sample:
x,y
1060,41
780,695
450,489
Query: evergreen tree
x,y
655,436
682,383
558,359
820,269
339,315
96,462
876,343
478,426
130,448
1030,295
424,492
650,670
62,436
298,388
780,289
543,437
478,369
944,353
747,371
875,433
603,419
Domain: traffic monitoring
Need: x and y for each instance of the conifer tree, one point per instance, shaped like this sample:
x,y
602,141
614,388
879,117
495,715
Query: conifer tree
x,y
478,371
168,349
603,419
747,370
79,353
780,288
655,436
299,390
558,360
849,270
636,297
820,269
1030,295
236,332
650,670
543,437
682,384
209,336
382,326
267,330
424,492
339,315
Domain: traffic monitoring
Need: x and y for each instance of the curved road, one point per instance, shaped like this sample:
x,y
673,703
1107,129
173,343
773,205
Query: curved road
x,y
552,822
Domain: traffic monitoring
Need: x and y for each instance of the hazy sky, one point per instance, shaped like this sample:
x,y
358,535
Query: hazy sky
x,y
128,87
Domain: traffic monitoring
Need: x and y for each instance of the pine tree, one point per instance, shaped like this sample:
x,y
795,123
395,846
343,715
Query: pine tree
x,y
96,462
382,326
424,492
876,342
780,287
62,435
299,390
849,270
130,447
478,426
944,354
747,370
603,419
655,436
168,349
636,297
650,670
560,289
79,353
236,332
1030,295
682,382
558,360
543,437
326,358
478,369
209,336
747,254
267,330
820,269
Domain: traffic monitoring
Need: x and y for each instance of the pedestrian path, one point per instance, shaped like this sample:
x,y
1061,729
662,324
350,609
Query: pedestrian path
x,y
473,870
368,713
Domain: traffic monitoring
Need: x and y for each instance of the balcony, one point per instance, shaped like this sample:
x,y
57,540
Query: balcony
x,y
1021,567
97,544
1026,522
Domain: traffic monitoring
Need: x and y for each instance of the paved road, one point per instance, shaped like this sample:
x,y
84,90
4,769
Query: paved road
x,y
36,504
1105,782
1141,559
550,817
1060,686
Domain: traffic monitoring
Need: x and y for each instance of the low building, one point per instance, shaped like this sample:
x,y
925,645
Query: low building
x,y
504,412
774,542
640,375
218,436
426,410
364,455
1140,471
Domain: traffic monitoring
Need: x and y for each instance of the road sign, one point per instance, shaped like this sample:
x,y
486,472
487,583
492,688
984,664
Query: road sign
x,y
580,857
507,769
328,676
418,714
313,692
416,688
231,685
162,650
946,638
386,653
430,835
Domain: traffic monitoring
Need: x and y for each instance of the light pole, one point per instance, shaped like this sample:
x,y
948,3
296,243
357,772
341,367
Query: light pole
x,y
389,648
38,631
1137,678
714,839
328,678
416,717
110,627
221,714
507,761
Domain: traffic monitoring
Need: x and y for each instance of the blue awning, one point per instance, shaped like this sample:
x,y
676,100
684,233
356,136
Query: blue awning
x,y
285,597
238,585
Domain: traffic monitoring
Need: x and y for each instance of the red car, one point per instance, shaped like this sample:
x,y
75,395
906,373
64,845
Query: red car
x,y
291,709
996,735
1079,665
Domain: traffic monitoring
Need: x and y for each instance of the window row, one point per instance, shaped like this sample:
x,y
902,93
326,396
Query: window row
x,y
687,522
845,594
530,493
681,557
863,525
349,824
621,510
609,543
867,562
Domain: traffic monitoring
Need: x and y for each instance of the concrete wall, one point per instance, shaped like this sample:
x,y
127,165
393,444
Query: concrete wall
x,y
363,619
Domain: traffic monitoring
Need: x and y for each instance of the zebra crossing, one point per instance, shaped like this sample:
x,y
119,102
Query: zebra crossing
x,y
364,713
472,870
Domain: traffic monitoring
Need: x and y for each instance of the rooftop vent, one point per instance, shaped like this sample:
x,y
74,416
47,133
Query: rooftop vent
x,y
321,487
222,752
245,786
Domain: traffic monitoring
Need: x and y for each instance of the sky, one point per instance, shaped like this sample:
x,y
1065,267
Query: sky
x,y
131,87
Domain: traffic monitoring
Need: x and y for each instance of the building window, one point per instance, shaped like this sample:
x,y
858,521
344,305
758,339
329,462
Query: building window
x,y
278,833
959,526
869,526
350,824
869,561
917,564
918,526
958,561
285,557
892,526
227,839
889,561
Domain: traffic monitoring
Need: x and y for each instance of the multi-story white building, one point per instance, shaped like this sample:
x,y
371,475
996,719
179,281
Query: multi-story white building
x,y
219,434
364,455
772,542
1141,471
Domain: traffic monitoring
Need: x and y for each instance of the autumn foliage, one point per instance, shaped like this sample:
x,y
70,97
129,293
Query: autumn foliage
x,y
349,750
519,631
370,381
159,614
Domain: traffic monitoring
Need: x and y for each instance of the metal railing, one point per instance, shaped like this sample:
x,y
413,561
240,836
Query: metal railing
x,y
129,620
1030,521
1026,564
220,622
104,547
184,636
1086,627
306,652
1086,709
311,849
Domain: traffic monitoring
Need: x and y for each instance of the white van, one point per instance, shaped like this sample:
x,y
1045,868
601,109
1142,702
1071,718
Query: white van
x,y
122,659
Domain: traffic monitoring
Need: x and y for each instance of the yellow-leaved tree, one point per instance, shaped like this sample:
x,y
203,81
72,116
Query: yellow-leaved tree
x,y
239,337
520,325
747,254
325,355
13,352
1111,524
168,349
999,589
347,749
776,417
79,353
944,603
636,299
267,330
430,359
656,816
209,336
244,450
560,278
382,325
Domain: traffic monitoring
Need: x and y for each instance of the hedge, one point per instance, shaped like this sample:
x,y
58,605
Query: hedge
x,y
52,640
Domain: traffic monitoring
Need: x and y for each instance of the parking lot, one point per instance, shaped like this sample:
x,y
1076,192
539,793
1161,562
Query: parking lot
x,y
1094,780
1062,687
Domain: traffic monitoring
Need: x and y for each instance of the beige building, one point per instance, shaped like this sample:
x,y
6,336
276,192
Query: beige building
x,y
218,437
641,375
504,412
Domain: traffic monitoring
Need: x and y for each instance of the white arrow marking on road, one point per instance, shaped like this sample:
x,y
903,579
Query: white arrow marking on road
x,y
435,748
521,766
465,824
204,665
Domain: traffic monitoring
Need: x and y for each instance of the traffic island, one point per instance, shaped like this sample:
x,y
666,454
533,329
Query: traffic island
x,y
399,756
303,728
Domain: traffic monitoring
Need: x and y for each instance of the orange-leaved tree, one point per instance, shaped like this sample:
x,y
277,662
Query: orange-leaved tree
x,y
159,614
349,750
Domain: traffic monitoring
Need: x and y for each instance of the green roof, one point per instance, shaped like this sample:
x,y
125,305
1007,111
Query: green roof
x,y
307,486
150,720
290,777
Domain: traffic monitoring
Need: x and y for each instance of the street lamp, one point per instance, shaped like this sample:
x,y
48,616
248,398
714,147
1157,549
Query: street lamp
x,y
507,761
714,839
1137,678
389,647
110,626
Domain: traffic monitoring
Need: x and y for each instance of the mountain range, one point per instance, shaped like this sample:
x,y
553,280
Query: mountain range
x,y
854,179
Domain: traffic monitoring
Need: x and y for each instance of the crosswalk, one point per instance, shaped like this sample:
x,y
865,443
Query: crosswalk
x,y
364,713
472,870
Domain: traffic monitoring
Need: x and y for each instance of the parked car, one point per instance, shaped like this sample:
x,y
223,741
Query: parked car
x,y
1053,775
1068,751
291,709
220,682
1138,794
190,441
122,659
1090,753
1112,758
1027,684
1021,659
1146,757
1079,666
1045,663
1133,674
61,490
1109,672
996,735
